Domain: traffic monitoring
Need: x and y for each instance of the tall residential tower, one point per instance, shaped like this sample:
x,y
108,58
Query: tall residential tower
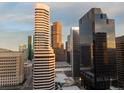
x,y
44,58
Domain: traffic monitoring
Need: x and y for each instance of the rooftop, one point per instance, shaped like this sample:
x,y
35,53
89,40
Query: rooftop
x,y
42,6
71,88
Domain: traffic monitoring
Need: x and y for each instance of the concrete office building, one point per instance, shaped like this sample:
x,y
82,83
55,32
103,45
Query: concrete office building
x,y
95,21
120,60
44,58
11,68
56,41
74,52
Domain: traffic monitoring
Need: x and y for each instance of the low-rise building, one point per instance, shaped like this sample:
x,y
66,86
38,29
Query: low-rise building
x,y
11,68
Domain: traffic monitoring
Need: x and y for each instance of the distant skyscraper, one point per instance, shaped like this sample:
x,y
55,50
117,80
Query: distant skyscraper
x,y
68,49
120,60
56,41
23,50
44,58
93,22
56,35
30,55
22,47
11,68
74,52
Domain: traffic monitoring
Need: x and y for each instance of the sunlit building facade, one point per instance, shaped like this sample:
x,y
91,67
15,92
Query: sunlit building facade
x,y
95,21
56,41
11,68
44,58
56,35
24,51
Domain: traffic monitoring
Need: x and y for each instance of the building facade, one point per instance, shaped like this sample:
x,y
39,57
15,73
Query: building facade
x,y
44,58
11,68
30,50
120,60
56,41
95,21
68,49
24,51
74,52
100,62
56,35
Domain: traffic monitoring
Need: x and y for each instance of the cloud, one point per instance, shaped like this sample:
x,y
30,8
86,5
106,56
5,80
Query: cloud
x,y
70,13
11,40
19,17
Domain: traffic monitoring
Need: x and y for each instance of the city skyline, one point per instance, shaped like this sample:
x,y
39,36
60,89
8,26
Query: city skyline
x,y
92,56
16,19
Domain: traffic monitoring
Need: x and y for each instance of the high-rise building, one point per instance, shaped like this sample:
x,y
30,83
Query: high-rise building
x,y
30,55
56,41
120,60
101,63
44,58
74,52
68,49
95,21
56,35
11,68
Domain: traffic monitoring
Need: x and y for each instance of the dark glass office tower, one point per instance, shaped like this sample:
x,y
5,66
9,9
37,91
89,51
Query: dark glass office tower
x,y
30,55
91,25
68,49
74,52
120,60
100,61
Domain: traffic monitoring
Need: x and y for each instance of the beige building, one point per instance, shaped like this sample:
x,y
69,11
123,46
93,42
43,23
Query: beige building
x,y
23,49
11,68
44,58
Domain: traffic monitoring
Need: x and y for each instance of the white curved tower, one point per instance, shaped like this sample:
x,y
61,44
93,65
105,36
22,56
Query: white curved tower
x,y
44,58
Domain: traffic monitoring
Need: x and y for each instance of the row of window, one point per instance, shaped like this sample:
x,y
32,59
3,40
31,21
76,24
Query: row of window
x,y
8,69
7,61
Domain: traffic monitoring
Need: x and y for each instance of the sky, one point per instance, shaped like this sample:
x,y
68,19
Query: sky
x,y
17,19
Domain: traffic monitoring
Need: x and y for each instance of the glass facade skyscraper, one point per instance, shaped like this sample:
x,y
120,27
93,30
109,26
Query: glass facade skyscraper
x,y
120,60
30,50
74,52
93,22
